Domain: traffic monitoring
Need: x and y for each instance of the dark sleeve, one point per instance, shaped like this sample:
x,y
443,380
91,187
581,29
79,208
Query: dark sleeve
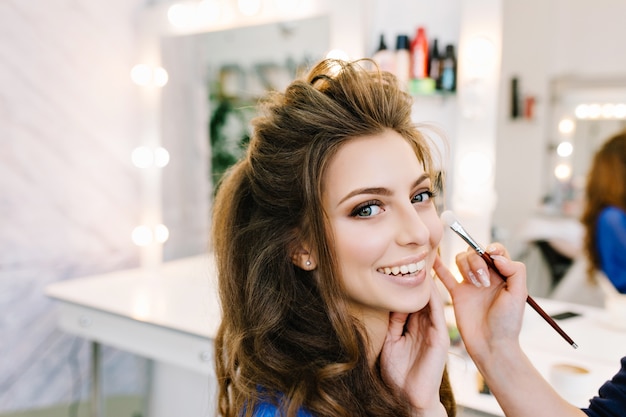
x,y
611,399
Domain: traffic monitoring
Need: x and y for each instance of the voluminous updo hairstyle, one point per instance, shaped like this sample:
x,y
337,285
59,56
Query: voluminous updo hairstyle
x,y
286,335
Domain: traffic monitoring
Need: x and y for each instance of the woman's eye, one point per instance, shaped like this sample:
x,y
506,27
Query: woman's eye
x,y
367,209
422,196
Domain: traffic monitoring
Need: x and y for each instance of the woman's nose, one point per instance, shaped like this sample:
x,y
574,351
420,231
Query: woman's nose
x,y
411,229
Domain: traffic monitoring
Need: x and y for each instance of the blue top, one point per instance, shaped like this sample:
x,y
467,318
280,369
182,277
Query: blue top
x,y
266,409
611,242
611,399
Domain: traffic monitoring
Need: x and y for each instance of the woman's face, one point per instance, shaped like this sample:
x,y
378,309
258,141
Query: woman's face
x,y
385,225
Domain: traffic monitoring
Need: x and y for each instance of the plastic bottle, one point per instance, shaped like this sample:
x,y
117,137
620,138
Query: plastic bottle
x,y
403,60
448,70
384,58
434,64
419,55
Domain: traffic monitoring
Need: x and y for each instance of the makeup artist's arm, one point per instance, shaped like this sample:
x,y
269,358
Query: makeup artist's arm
x,y
490,320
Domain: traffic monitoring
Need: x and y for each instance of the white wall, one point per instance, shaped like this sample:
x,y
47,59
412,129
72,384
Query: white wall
x,y
68,193
566,37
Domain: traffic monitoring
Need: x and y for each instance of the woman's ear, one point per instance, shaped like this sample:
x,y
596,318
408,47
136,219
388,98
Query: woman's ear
x,y
302,258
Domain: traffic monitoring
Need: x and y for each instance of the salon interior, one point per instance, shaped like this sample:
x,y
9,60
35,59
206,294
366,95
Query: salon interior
x,y
115,121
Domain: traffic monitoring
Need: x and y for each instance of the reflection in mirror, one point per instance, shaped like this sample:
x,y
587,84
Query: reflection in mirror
x,y
585,112
215,80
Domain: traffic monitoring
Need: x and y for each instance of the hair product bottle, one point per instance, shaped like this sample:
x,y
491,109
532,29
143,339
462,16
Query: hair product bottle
x,y
403,60
384,58
419,55
448,70
434,64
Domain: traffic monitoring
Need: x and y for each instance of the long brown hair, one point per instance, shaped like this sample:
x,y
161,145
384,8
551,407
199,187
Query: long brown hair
x,y
286,335
606,186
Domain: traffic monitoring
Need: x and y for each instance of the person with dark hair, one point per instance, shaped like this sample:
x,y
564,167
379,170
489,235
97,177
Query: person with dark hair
x,y
604,215
324,236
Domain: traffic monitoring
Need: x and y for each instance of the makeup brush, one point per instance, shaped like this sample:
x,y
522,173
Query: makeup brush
x,y
450,220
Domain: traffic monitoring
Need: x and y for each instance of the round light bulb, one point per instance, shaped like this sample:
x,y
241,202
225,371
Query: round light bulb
x,y
563,172
582,111
595,111
161,233
141,74
180,15
161,157
337,54
566,126
142,235
209,11
159,77
143,157
287,6
564,149
249,7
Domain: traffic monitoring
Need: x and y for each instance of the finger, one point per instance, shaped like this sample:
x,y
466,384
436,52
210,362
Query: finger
x,y
478,270
465,267
396,325
515,272
497,248
436,307
444,274
431,315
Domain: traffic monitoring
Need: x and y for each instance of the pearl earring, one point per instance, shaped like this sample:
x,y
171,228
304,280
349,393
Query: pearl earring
x,y
308,262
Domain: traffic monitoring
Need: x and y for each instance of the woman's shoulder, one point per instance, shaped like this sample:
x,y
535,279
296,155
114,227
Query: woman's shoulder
x,y
612,216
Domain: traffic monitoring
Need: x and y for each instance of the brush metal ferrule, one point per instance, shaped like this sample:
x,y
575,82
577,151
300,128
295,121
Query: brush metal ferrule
x,y
456,226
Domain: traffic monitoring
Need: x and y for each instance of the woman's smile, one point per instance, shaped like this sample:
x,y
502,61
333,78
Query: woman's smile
x,y
407,269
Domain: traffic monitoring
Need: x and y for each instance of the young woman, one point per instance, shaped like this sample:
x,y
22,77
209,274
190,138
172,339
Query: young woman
x,y
325,235
604,216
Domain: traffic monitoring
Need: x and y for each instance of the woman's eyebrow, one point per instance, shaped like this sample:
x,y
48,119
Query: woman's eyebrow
x,y
367,190
424,177
380,190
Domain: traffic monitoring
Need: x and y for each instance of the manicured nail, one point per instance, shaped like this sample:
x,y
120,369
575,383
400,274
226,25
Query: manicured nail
x,y
472,278
499,258
484,277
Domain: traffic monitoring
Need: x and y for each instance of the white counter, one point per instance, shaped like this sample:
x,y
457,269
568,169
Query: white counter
x,y
169,314
601,346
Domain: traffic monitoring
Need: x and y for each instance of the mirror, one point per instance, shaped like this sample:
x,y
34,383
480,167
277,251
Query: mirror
x,y
215,79
584,113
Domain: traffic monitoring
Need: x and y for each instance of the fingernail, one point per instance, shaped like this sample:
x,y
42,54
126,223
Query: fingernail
x,y
484,277
491,248
499,258
472,278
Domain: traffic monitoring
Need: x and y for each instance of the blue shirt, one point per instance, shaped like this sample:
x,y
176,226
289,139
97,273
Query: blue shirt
x,y
266,409
611,243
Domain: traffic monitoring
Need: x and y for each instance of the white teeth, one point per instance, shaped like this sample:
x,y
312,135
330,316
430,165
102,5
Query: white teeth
x,y
403,269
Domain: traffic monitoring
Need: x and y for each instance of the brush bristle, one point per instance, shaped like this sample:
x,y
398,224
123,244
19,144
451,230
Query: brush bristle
x,y
448,218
